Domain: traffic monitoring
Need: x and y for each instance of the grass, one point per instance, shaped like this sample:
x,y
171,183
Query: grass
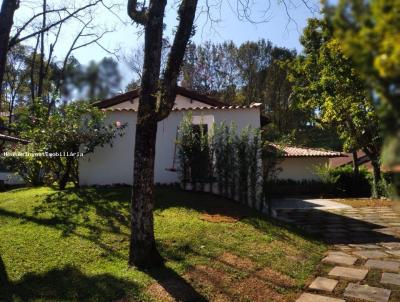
x,y
73,246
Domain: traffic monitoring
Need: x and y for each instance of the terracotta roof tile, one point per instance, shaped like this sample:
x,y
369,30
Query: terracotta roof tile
x,y
254,105
293,151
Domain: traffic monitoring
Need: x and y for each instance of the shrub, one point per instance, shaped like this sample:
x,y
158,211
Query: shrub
x,y
59,138
328,179
224,156
348,185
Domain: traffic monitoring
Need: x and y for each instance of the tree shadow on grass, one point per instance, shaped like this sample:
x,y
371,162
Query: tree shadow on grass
x,y
94,212
201,202
211,204
72,208
68,284
171,285
311,224
4,283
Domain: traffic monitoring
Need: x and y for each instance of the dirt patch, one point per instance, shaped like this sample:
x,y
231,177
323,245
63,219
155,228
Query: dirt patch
x,y
275,277
157,291
216,282
208,276
365,202
219,218
173,289
220,297
126,300
237,262
221,213
256,290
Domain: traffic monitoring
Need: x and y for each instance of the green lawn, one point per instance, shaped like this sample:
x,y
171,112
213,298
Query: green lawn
x,y
73,246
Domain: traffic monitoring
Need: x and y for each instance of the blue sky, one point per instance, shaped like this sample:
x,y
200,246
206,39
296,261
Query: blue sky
x,y
280,29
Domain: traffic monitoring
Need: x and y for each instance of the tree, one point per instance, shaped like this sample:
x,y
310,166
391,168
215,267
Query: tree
x,y
26,30
8,9
156,99
276,96
16,90
135,58
61,146
100,80
369,32
252,58
326,82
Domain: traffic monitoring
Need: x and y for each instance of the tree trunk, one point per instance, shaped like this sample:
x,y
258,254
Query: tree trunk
x,y
143,251
356,173
65,176
157,97
32,75
41,66
376,173
355,164
8,9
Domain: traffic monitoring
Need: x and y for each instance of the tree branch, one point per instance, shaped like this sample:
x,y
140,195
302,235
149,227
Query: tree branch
x,y
52,46
70,15
186,15
139,15
23,27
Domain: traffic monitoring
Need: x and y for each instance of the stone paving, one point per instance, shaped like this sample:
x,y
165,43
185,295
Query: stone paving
x,y
363,263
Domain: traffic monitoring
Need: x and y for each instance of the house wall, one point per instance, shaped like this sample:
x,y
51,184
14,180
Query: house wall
x,y
300,168
11,178
180,102
114,165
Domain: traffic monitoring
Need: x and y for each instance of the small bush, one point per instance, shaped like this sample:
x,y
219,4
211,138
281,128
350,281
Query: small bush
x,y
348,185
335,182
223,156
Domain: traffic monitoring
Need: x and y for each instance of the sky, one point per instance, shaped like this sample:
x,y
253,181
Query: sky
x,y
273,21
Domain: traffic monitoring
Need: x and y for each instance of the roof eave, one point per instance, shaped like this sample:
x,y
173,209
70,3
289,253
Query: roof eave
x,y
328,156
130,95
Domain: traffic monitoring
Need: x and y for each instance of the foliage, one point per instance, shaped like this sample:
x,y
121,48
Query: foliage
x,y
326,176
90,227
243,162
60,83
369,32
327,84
255,72
255,160
100,80
341,181
271,157
226,160
60,139
222,156
335,182
193,153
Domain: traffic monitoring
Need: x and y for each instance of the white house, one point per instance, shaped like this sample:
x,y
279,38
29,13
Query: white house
x,y
299,163
114,165
8,177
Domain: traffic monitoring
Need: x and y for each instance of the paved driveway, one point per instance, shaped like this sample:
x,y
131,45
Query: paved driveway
x,y
347,225
363,263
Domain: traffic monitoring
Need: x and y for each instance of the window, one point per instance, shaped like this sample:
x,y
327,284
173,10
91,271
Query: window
x,y
199,171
